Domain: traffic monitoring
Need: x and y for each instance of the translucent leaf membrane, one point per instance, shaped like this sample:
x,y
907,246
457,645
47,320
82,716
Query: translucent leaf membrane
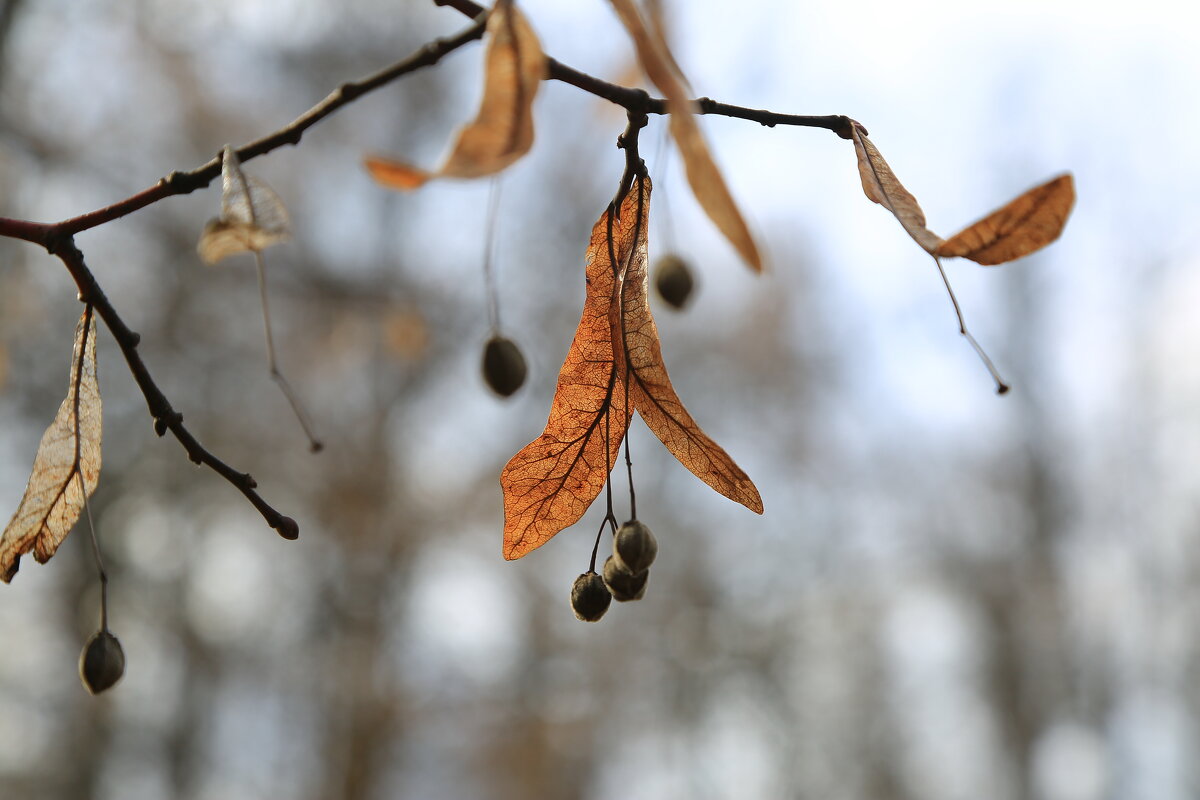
x,y
708,185
550,483
651,392
881,185
502,131
252,216
1027,224
66,467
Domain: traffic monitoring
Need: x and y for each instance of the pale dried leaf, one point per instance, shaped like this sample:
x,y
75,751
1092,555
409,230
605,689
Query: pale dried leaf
x,y
881,185
551,482
1028,223
66,466
252,215
502,131
651,392
708,185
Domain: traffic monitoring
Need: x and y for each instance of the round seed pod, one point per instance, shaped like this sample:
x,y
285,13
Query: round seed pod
x,y
623,585
589,597
673,280
503,366
102,662
634,547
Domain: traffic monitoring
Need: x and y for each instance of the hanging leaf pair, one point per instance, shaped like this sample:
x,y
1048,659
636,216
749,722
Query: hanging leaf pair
x,y
502,131
66,468
613,367
1025,225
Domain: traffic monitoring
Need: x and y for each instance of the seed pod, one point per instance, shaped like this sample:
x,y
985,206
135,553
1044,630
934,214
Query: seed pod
x,y
589,597
673,280
102,662
624,585
503,366
634,547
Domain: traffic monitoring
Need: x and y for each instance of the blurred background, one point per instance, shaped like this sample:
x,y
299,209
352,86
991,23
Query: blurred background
x,y
950,595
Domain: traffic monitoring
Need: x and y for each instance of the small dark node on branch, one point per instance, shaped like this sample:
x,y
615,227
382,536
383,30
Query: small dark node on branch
x,y
287,528
248,479
173,181
845,127
135,338
163,424
1002,388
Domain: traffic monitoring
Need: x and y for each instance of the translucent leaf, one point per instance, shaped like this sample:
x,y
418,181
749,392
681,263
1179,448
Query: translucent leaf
x,y
551,482
252,216
881,185
651,392
1028,223
615,355
66,466
502,131
708,185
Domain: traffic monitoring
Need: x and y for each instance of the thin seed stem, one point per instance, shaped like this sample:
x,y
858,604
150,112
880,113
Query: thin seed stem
x,y
314,444
1001,386
667,224
489,256
100,571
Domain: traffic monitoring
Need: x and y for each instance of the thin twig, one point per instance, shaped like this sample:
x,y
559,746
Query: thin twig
x,y
640,102
314,444
103,573
166,418
489,257
1001,386
178,183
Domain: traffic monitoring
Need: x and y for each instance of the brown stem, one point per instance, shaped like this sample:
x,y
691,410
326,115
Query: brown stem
x,y
638,101
185,182
166,418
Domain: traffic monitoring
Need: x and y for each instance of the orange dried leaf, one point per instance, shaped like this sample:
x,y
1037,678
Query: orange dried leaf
x,y
551,482
396,174
708,185
881,185
650,389
1029,223
66,466
502,131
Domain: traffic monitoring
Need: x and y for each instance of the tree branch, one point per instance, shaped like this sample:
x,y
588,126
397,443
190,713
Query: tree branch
x,y
178,183
639,101
58,238
166,418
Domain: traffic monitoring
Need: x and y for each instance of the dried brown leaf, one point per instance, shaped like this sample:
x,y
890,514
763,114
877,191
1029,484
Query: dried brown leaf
x,y
252,216
708,185
651,392
1029,223
66,466
551,482
881,185
502,131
